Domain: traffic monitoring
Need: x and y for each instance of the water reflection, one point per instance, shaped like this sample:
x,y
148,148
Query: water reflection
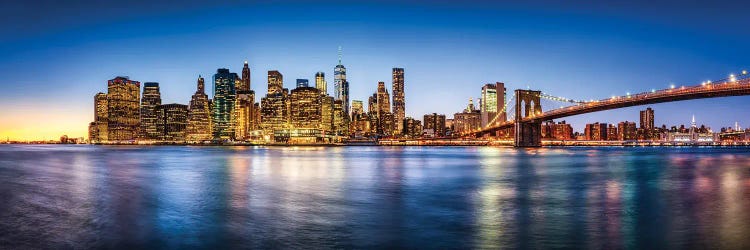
x,y
373,197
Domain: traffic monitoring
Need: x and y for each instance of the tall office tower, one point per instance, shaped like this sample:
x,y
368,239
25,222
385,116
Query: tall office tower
x,y
123,101
647,119
341,85
223,104
488,106
150,100
357,108
244,84
172,120
339,118
303,83
275,82
274,112
306,108
244,114
372,104
434,125
256,117
384,103
320,83
199,115
326,104
98,128
399,103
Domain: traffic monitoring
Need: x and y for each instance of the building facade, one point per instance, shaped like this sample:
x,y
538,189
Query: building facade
x,y
399,101
434,125
123,109
320,83
306,108
199,115
223,104
172,120
149,102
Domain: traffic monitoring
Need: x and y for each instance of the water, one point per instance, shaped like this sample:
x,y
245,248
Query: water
x,y
373,197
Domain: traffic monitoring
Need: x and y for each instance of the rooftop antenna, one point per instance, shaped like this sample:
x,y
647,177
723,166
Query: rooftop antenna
x,y
339,54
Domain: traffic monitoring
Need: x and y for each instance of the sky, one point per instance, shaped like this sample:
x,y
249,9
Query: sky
x,y
56,55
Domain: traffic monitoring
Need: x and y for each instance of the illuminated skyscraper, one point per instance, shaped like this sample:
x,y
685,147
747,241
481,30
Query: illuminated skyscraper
x,y
341,85
302,83
274,112
357,108
339,118
123,101
647,119
434,125
151,99
399,103
98,128
488,105
326,103
199,115
383,99
223,104
243,114
468,120
306,109
320,83
275,82
172,121
244,84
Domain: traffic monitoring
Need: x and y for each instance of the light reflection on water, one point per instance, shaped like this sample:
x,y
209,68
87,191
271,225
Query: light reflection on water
x,y
366,197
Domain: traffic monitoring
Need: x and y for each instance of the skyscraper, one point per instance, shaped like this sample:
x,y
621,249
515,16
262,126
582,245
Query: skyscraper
x,y
123,100
223,104
501,108
341,85
320,83
306,109
245,80
275,82
98,128
357,108
434,125
151,99
399,103
172,121
385,117
647,119
302,83
243,114
488,105
199,115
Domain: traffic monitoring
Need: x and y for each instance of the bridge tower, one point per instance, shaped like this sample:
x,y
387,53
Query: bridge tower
x,y
528,132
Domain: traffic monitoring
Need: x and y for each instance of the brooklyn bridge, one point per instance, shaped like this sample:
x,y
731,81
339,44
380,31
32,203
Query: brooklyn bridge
x,y
525,123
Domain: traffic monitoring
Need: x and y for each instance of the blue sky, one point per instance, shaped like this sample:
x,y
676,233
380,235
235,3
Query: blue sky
x,y
56,56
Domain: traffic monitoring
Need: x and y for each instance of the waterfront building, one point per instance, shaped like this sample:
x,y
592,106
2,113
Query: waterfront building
x,y
399,103
98,128
223,104
612,134
320,83
172,120
596,131
302,83
372,104
339,118
123,109
434,125
306,108
412,128
626,131
557,131
274,112
357,108
244,114
199,115
468,120
647,119
326,106
150,100
275,82
488,104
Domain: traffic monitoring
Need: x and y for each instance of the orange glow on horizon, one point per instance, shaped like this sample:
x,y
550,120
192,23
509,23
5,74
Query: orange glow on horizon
x,y
43,123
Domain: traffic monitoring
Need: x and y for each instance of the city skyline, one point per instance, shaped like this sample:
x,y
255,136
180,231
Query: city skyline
x,y
528,52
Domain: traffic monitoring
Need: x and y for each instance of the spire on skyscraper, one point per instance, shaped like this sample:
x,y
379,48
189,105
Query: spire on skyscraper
x,y
339,55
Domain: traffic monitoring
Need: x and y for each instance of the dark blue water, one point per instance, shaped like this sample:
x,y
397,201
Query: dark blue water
x,y
373,197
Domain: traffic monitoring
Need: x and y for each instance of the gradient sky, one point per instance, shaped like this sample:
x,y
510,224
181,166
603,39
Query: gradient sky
x,y
56,56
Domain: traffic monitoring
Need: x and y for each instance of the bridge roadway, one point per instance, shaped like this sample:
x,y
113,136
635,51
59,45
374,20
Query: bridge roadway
x,y
733,86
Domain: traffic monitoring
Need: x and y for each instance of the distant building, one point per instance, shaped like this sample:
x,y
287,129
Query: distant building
x,y
647,119
98,128
596,131
302,83
223,104
468,120
123,109
274,113
306,108
434,125
326,104
557,131
172,121
612,134
626,131
341,85
399,101
244,112
320,83
244,84
412,128
199,115
150,100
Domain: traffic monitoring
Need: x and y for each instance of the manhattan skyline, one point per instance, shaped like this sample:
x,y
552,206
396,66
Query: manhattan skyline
x,y
448,52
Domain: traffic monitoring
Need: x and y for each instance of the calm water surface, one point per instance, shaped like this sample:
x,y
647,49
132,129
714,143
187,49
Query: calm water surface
x,y
373,197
